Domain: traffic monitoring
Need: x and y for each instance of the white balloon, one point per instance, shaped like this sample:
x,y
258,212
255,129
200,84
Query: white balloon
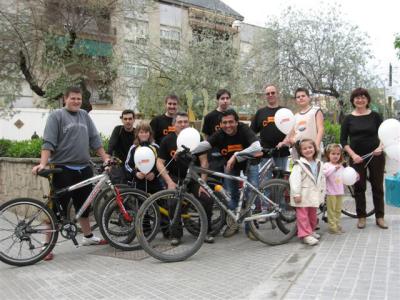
x,y
349,176
144,159
188,137
284,120
389,132
393,151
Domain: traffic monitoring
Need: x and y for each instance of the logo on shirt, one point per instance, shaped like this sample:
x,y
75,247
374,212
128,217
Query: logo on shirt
x,y
231,148
268,120
302,125
168,130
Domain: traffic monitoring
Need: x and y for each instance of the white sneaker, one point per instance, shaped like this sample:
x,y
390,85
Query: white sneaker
x,y
94,240
316,235
310,240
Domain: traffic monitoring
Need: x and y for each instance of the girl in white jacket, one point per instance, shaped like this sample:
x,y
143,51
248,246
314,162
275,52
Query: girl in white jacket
x,y
307,190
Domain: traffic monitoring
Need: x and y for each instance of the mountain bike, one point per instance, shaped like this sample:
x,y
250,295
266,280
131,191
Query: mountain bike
x,y
186,212
29,228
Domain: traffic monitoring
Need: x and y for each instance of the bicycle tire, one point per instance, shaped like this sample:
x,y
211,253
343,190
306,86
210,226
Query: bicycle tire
x,y
25,211
119,232
349,204
157,246
218,216
281,228
102,197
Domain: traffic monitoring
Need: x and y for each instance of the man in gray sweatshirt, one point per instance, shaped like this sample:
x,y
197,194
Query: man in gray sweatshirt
x,y
67,138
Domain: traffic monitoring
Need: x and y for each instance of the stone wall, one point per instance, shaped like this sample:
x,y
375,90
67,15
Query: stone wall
x,y
16,179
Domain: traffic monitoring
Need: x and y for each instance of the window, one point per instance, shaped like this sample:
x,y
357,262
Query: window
x,y
131,70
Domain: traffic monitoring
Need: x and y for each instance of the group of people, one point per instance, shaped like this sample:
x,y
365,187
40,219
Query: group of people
x,y
70,133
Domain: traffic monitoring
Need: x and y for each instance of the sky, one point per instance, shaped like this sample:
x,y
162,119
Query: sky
x,y
379,19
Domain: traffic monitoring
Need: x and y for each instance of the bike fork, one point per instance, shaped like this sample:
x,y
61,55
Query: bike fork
x,y
120,204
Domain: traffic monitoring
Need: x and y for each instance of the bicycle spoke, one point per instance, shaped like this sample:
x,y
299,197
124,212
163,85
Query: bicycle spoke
x,y
27,222
6,238
8,221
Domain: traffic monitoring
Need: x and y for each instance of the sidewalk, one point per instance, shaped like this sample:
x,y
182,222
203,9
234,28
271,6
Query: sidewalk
x,y
360,264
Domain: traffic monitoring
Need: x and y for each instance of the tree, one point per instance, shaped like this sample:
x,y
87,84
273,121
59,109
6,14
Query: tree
x,y
321,51
54,44
206,65
397,45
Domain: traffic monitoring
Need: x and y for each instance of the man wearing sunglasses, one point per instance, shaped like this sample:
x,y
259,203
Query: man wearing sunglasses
x,y
264,123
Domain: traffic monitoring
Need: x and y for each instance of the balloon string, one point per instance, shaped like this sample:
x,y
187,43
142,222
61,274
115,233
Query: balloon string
x,y
162,171
367,155
366,165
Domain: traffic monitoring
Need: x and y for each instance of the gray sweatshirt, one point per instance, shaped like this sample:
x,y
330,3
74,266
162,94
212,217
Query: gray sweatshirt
x,y
68,135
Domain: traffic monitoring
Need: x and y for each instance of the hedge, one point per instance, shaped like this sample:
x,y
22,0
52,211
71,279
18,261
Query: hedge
x,y
28,148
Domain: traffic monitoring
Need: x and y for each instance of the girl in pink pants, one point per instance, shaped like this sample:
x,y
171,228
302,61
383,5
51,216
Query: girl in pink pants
x,y
307,190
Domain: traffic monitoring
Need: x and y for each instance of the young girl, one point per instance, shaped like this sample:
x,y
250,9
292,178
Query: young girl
x,y
334,186
307,190
147,182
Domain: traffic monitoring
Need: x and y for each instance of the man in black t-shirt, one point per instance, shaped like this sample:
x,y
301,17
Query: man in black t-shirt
x,y
122,136
212,119
233,138
121,140
162,124
211,125
264,123
176,171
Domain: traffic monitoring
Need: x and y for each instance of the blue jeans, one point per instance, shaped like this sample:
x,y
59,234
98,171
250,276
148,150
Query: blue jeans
x,y
280,162
232,186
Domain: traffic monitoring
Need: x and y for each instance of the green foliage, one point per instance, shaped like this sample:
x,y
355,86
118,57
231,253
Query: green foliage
x,y
332,133
210,62
4,146
31,148
397,45
28,148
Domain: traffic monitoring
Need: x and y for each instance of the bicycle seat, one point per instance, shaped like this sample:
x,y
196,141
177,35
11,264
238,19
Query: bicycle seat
x,y
47,172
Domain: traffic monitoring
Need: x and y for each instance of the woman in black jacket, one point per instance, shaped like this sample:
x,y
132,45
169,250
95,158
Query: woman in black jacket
x,y
147,182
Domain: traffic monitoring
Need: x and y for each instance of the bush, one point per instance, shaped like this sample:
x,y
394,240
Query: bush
x,y
29,148
4,146
332,133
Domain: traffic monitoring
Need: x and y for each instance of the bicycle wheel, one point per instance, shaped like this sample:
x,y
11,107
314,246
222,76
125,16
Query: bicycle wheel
x,y
349,202
281,228
115,228
105,195
25,225
167,203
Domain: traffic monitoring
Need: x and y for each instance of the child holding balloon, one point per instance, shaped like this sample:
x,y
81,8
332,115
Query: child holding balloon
x,y
307,190
144,178
334,186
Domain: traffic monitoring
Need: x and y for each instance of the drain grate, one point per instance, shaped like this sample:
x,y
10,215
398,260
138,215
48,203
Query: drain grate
x,y
128,255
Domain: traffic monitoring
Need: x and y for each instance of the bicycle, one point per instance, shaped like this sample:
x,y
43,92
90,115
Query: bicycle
x,y
29,228
98,203
186,211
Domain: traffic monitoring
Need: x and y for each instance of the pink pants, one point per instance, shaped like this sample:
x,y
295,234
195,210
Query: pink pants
x,y
306,220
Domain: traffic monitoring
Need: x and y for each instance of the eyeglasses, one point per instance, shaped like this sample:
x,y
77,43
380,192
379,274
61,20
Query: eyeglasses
x,y
270,93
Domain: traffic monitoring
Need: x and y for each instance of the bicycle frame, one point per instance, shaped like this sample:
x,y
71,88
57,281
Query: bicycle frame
x,y
102,179
193,174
